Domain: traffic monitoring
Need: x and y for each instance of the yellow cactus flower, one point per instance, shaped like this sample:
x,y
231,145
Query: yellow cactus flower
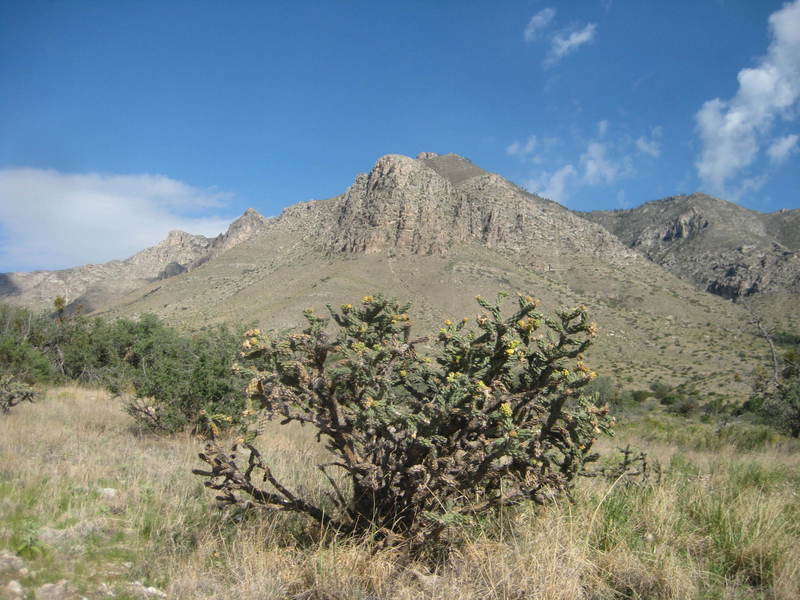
x,y
367,299
505,408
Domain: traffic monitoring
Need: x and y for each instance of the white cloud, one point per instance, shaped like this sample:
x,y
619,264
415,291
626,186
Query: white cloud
x,y
538,23
602,128
782,148
552,185
563,45
652,145
56,220
598,167
522,149
732,130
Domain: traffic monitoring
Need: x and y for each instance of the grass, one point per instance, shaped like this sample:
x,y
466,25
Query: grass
x,y
722,522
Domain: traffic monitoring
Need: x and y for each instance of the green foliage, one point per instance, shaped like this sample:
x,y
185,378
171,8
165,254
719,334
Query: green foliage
x,y
26,541
484,417
177,381
20,332
13,392
776,396
167,377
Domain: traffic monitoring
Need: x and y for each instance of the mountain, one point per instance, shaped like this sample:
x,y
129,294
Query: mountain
x,y
438,230
724,248
94,286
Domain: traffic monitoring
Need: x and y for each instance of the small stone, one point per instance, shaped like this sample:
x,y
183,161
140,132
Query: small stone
x,y
14,589
107,493
10,562
62,590
138,589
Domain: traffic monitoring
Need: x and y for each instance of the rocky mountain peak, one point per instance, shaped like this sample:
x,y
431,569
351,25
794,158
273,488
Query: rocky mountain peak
x,y
250,223
401,204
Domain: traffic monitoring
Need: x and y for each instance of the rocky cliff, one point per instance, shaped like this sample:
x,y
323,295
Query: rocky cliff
x,y
724,248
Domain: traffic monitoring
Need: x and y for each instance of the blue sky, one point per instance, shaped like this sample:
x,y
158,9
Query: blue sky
x,y
122,120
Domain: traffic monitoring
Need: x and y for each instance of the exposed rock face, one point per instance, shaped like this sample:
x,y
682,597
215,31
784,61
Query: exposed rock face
x,y
93,286
400,205
724,248
243,228
424,206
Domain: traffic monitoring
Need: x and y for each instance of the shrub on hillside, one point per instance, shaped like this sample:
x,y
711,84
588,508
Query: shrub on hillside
x,y
13,392
20,331
483,418
175,381
168,377
776,394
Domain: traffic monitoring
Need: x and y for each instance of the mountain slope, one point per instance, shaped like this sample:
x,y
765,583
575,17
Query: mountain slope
x,y
724,248
437,231
94,286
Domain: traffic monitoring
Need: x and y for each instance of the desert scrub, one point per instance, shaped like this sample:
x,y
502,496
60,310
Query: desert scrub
x,y
491,416
12,392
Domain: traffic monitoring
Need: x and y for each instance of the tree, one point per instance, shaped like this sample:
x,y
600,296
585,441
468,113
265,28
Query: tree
x,y
776,390
483,418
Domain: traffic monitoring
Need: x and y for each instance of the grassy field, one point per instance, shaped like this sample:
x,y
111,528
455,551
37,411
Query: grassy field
x,y
86,498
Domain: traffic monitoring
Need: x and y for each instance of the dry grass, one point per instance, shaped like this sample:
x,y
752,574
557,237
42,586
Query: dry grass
x,y
719,525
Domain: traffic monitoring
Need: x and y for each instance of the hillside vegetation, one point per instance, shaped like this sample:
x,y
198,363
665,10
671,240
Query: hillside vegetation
x,y
87,499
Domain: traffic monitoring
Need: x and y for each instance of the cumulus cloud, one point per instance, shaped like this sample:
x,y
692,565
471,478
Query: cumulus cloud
x,y
522,149
782,148
652,145
598,167
54,220
538,23
552,185
732,131
565,44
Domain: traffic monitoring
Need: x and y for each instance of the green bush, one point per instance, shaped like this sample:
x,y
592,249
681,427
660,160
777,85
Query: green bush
x,y
482,418
175,380
167,377
776,396
13,392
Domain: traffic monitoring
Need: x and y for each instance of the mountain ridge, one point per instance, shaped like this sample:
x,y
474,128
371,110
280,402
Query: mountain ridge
x,y
437,230
722,247
92,286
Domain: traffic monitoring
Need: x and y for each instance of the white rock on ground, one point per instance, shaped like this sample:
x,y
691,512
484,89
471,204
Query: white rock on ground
x,y
61,590
14,590
10,563
138,589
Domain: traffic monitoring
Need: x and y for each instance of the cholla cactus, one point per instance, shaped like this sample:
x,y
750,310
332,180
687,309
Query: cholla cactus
x,y
489,416
12,392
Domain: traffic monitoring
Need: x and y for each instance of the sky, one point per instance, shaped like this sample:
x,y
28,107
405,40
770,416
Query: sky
x,y
120,121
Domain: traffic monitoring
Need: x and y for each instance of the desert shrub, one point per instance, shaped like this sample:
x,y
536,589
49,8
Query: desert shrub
x,y
13,392
21,359
20,330
775,399
175,381
422,437
167,377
